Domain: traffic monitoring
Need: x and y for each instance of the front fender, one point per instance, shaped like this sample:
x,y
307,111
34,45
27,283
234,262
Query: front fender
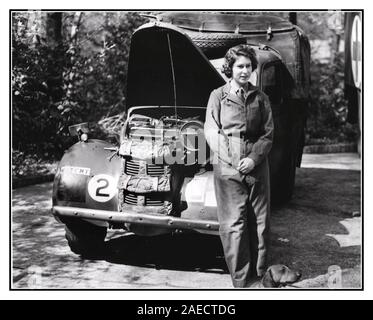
x,y
87,178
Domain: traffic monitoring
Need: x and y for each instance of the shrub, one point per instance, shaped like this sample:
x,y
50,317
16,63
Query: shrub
x,y
328,108
92,67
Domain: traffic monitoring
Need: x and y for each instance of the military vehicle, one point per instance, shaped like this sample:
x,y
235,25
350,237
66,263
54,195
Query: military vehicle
x,y
159,178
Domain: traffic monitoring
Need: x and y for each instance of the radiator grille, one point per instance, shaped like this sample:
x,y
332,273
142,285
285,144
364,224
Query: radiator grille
x,y
132,167
155,200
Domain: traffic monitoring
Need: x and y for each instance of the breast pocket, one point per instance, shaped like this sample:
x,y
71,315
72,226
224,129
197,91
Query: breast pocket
x,y
231,115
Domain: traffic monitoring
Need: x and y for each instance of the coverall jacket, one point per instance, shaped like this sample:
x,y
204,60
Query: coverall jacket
x,y
238,127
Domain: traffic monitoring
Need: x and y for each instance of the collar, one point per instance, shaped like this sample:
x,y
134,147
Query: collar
x,y
227,88
236,88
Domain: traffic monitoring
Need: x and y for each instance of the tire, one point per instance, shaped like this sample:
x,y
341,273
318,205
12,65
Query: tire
x,y
215,45
85,239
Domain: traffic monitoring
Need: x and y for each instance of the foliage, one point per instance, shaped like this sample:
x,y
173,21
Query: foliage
x,y
315,24
96,82
34,114
28,165
92,64
328,110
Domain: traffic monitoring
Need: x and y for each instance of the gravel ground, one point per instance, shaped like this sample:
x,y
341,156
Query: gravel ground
x,y
317,232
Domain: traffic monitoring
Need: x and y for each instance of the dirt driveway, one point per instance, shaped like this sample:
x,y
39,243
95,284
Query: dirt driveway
x,y
318,232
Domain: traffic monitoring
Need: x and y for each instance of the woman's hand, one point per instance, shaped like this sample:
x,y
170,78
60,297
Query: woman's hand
x,y
246,165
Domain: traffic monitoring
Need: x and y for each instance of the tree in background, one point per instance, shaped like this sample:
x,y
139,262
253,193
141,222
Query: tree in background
x,y
67,67
327,119
37,60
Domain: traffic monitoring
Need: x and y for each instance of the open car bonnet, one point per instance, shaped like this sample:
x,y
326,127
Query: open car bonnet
x,y
166,68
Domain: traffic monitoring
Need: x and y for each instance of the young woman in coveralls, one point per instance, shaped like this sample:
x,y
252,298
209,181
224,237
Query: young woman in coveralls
x,y
239,129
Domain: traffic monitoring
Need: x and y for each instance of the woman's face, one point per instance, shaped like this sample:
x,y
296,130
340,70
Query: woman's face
x,y
241,70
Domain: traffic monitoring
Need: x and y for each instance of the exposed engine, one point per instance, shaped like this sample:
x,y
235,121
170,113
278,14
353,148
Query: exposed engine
x,y
156,155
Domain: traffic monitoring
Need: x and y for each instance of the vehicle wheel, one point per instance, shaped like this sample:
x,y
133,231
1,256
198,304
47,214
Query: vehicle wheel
x,y
215,45
84,238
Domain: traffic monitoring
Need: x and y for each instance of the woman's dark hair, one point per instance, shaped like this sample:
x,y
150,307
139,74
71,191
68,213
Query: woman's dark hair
x,y
232,55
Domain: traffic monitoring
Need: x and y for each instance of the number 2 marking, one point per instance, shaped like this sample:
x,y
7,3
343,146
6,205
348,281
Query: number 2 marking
x,y
104,186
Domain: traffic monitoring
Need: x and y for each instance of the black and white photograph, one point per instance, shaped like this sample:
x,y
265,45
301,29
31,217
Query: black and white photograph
x,y
180,150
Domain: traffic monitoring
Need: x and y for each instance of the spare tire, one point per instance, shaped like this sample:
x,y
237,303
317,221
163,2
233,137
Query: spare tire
x,y
215,45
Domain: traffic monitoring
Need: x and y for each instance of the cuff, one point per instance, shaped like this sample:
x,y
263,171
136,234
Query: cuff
x,y
255,157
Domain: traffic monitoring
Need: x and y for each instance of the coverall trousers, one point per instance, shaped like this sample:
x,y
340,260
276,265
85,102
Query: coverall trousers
x,y
243,213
